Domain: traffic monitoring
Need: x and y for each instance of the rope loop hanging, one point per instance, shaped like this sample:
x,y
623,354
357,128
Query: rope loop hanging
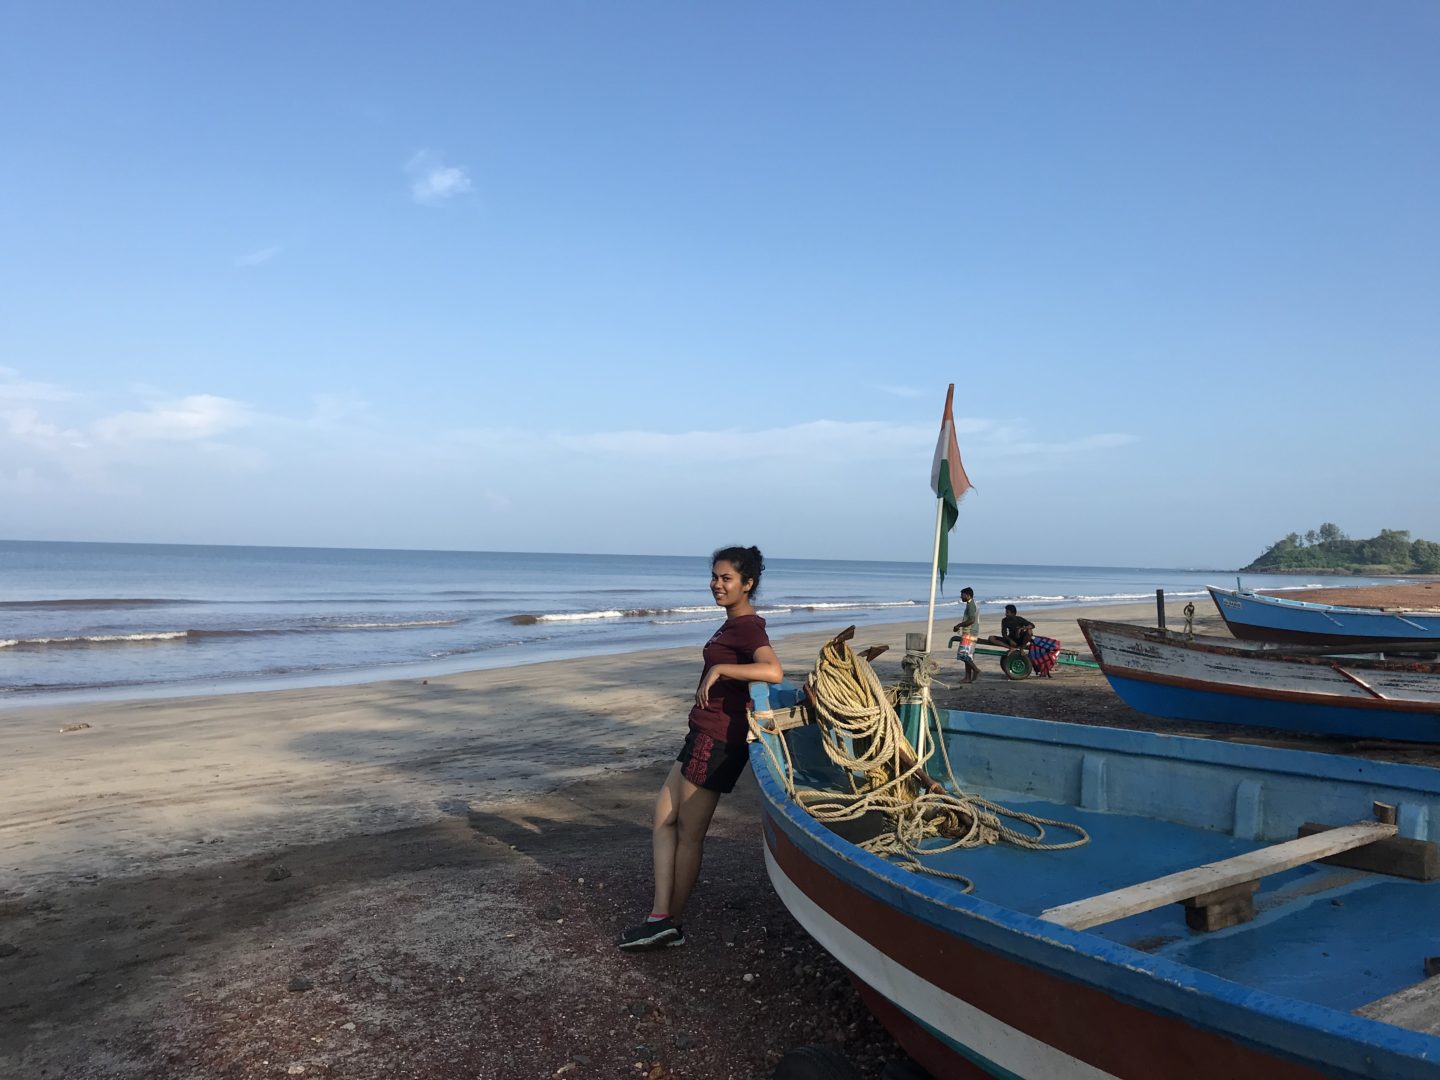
x,y
863,737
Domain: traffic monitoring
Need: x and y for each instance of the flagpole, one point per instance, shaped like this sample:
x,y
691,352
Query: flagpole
x,y
934,575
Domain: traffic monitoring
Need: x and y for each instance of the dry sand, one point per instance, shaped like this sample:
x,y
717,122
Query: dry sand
x,y
444,864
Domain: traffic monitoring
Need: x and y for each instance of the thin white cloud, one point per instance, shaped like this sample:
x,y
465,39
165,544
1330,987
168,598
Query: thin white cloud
x,y
335,410
1085,443
66,445
432,182
816,440
258,258
15,388
197,417
25,425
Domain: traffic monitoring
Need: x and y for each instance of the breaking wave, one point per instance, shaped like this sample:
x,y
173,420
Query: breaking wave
x,y
154,636
659,615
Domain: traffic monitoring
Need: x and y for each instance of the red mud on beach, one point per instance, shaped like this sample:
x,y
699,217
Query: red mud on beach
x,y
1419,596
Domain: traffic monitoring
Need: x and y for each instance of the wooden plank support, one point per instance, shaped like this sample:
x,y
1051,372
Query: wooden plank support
x,y
1418,860
1212,877
1221,908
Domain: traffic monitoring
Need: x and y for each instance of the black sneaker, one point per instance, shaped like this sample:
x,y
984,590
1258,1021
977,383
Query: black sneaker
x,y
652,935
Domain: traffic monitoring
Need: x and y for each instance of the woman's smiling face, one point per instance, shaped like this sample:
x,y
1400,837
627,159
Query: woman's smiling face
x,y
726,585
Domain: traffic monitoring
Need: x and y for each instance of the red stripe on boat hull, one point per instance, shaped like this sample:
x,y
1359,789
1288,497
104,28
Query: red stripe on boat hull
x,y
1081,1021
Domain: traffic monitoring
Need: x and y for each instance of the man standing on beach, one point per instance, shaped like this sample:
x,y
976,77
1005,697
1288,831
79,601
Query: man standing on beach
x,y
969,630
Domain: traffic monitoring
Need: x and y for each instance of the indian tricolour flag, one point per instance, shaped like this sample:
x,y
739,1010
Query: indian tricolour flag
x,y
948,481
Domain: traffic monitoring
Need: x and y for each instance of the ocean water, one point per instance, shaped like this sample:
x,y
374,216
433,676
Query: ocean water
x,y
120,620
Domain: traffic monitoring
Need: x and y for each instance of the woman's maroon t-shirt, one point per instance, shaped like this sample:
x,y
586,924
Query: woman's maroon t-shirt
x,y
723,715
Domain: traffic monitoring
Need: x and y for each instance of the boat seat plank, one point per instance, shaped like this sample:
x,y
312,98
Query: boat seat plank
x,y
1416,1007
1187,884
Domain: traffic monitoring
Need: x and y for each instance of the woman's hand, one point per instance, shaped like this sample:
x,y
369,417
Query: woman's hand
x,y
702,693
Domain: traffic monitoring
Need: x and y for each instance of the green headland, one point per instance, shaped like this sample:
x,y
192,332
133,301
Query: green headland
x,y
1328,550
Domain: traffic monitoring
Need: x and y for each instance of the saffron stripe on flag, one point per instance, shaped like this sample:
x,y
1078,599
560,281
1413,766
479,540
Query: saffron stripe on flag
x,y
948,479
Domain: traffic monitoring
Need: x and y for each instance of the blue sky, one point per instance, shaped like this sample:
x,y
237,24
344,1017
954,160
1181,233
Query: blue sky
x,y
652,277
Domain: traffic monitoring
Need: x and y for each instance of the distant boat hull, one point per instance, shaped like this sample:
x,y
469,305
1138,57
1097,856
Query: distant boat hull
x,y
1212,680
1254,617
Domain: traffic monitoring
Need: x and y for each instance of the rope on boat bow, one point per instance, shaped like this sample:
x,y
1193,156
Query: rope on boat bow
x,y
863,736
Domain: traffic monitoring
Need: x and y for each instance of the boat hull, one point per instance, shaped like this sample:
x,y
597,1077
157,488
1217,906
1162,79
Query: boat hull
x,y
967,1009
970,987
1255,617
1174,702
1226,682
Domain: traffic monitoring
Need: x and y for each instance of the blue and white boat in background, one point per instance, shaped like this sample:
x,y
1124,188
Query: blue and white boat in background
x,y
1257,617
1091,962
1241,682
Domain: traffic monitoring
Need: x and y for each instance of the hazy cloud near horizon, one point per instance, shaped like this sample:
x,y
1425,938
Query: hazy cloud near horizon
x,y
66,442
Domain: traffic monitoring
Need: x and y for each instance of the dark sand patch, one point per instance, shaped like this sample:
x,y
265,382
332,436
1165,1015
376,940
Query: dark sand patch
x,y
479,946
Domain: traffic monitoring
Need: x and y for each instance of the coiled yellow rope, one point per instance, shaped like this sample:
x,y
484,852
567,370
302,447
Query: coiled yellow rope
x,y
862,734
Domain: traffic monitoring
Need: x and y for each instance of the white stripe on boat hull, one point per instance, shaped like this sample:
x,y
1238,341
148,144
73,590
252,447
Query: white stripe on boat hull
x,y
957,1020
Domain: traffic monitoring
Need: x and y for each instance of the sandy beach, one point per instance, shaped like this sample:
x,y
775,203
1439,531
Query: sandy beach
x,y
422,877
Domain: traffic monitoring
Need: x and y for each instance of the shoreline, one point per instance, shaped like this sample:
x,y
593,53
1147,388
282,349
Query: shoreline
x,y
108,787
151,666
17,701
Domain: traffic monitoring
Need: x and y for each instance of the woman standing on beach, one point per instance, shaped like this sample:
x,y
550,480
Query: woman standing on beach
x,y
715,750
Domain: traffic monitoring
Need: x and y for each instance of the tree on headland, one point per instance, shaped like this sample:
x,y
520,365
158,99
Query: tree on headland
x,y
1425,554
1329,549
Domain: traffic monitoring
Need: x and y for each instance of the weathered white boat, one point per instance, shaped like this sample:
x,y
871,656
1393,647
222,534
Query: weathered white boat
x,y
1241,682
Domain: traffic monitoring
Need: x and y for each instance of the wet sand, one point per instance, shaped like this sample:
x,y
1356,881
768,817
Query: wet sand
x,y
420,878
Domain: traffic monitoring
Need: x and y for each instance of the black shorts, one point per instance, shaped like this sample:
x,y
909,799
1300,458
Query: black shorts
x,y
709,763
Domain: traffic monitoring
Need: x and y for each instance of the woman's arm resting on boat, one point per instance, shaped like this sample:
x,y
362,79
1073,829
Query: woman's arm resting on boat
x,y
764,668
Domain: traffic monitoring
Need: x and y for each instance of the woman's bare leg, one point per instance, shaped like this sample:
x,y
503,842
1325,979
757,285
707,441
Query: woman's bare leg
x,y
682,816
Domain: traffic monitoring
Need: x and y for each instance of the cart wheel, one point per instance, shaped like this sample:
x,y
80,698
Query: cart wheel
x,y
1016,664
815,1063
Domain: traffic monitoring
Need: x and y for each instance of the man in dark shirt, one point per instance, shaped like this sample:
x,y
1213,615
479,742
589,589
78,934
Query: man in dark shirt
x,y
1015,631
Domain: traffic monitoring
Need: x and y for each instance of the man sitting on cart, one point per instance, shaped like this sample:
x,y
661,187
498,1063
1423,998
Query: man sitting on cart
x,y
1018,632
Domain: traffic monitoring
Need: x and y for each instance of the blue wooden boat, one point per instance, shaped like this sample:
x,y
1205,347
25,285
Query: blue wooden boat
x,y
1326,979
1225,681
1255,617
